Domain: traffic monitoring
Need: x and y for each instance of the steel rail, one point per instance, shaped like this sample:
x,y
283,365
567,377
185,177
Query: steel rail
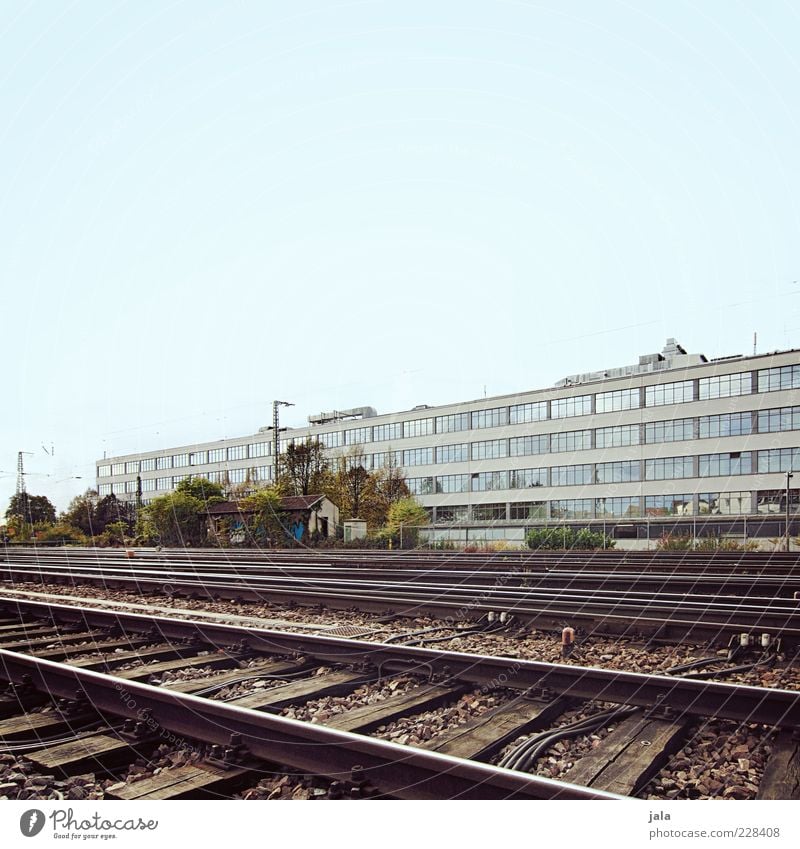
x,y
393,770
644,614
608,559
744,585
502,595
773,707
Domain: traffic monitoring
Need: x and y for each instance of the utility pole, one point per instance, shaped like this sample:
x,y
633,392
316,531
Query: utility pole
x,y
789,476
276,431
21,473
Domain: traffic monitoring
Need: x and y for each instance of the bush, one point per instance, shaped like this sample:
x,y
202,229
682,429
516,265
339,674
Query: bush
x,y
557,539
684,542
61,532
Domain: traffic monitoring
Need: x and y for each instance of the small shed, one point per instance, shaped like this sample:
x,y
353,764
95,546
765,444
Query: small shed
x,y
301,517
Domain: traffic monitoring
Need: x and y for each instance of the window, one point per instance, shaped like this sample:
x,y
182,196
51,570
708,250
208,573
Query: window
x,y
180,460
488,512
132,468
198,458
104,489
676,430
237,475
490,450
725,386
130,486
418,457
216,477
621,399
725,503
104,471
490,418
735,463
357,436
149,465
779,460
163,462
331,440
564,408
258,449
614,437
783,418
163,484
452,483
570,475
148,485
216,455
386,459
785,377
117,468
668,468
262,474
483,481
178,478
452,513
727,424
669,393
618,507
452,423
571,508
669,505
774,501
417,427
526,510
572,440
524,478
381,433
452,453
237,452
420,486
522,413
522,446
621,472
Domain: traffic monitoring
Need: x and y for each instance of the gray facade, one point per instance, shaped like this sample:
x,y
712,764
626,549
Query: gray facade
x,y
674,436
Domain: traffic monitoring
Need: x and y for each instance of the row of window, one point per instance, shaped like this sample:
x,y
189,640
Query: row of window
x,y
255,475
675,430
704,503
624,471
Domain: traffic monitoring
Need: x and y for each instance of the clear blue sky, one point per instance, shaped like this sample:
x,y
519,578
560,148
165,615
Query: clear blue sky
x,y
205,206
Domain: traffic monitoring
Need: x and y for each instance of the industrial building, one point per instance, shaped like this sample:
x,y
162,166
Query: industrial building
x,y
675,442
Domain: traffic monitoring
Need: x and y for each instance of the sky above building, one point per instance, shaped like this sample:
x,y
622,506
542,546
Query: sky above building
x,y
209,205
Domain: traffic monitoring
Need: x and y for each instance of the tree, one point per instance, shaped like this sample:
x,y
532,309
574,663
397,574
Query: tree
x,y
80,513
32,509
304,467
265,526
109,510
405,517
202,489
175,519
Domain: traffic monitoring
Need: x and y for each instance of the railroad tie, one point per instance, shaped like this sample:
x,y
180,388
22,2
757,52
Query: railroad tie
x,y
630,756
781,779
368,717
180,783
481,738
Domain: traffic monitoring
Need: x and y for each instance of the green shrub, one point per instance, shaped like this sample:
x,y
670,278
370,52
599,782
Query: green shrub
x,y
558,539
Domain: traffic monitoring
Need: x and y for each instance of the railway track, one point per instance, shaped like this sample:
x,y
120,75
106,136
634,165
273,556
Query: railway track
x,y
229,694
683,607
774,563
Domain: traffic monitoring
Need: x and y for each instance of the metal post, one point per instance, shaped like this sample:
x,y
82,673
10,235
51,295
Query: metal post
x,y
789,476
276,432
